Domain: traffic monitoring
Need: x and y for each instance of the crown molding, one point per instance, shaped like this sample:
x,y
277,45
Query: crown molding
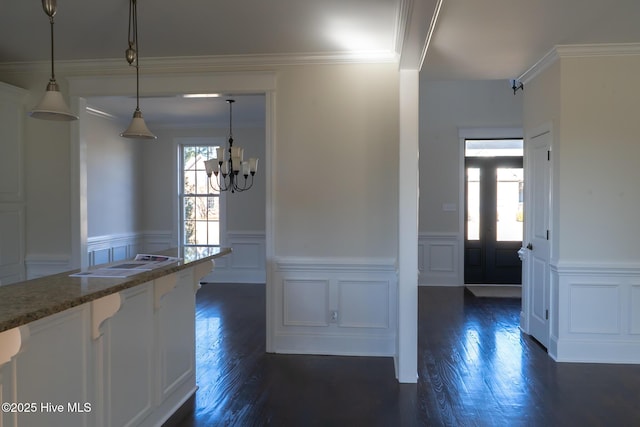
x,y
579,51
415,32
606,49
192,64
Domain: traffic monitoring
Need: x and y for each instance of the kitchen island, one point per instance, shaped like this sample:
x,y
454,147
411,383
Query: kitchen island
x,y
93,351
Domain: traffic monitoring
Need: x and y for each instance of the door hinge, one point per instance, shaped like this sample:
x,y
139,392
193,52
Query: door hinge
x,y
548,155
546,314
547,234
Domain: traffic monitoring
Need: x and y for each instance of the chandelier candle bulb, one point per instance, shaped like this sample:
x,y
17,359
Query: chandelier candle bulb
x,y
209,166
253,165
237,162
236,152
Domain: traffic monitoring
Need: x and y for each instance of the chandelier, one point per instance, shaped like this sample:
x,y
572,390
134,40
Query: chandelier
x,y
228,171
52,106
138,128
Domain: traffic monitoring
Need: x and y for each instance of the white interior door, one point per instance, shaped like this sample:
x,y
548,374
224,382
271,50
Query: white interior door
x,y
537,219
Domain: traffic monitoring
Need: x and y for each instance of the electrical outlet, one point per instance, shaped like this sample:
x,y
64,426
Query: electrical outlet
x,y
333,316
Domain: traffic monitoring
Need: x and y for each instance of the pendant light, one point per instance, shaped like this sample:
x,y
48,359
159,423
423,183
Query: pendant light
x,y
52,105
138,128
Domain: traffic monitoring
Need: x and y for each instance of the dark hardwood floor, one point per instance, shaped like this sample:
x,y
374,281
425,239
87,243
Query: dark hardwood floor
x,y
475,369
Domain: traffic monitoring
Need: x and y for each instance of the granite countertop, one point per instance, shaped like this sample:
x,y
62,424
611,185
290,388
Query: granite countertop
x,y
24,302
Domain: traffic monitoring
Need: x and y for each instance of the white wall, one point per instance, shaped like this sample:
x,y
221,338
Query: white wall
x,y
598,156
336,210
595,274
334,179
445,108
337,155
114,198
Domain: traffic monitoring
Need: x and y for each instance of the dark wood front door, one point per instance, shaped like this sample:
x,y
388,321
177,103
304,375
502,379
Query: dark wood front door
x,y
493,226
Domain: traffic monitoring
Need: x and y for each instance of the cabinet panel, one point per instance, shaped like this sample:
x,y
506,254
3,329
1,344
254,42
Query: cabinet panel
x,y
177,340
129,358
57,350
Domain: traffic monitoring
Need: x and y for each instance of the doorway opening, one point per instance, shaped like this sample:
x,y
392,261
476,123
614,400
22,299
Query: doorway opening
x,y
493,208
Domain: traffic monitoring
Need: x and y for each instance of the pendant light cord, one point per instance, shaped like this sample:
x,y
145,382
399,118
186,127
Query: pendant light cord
x,y
53,74
132,36
231,101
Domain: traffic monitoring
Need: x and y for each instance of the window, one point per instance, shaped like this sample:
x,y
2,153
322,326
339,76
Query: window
x,y
493,148
199,203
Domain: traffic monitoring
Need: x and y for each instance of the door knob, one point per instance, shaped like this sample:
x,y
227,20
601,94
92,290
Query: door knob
x,y
530,246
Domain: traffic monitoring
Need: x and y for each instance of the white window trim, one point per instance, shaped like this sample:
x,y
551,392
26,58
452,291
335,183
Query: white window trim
x,y
177,208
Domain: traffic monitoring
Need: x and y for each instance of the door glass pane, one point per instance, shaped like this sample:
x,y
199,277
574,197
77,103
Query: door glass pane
x,y
509,204
473,203
493,147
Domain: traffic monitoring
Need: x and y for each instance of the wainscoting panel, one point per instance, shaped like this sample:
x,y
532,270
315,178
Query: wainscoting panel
x,y
363,304
594,309
305,303
39,265
11,243
634,309
246,264
99,256
113,247
156,241
597,310
335,306
439,259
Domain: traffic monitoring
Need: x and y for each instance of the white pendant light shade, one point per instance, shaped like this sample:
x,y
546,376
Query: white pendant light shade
x,y
52,106
138,128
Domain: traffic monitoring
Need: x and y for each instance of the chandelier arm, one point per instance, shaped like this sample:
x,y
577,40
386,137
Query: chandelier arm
x,y
227,184
244,186
246,177
213,178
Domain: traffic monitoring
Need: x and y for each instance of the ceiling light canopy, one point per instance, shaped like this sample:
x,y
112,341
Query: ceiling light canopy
x,y
138,128
52,106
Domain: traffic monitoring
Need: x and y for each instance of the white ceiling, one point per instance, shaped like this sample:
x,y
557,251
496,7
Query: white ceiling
x,y
501,39
472,39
